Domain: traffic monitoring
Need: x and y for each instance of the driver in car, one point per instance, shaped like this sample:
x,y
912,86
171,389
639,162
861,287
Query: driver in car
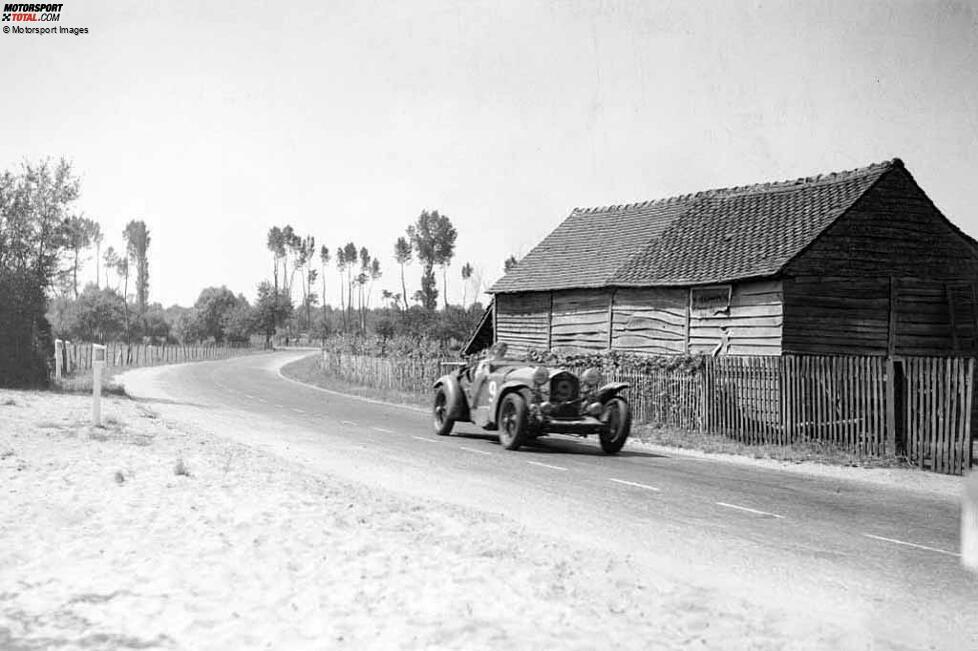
x,y
497,353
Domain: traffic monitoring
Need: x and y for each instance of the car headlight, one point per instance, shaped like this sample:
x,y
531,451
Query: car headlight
x,y
591,377
540,375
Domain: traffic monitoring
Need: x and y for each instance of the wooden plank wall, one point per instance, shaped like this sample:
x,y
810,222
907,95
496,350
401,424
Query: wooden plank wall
x,y
579,321
650,320
836,315
752,324
522,321
933,317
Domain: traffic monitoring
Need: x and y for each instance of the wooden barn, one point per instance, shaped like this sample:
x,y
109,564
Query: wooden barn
x,y
859,262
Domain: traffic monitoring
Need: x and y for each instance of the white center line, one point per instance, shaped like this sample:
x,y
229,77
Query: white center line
x,y
634,483
910,544
425,439
462,447
348,422
381,429
545,465
744,508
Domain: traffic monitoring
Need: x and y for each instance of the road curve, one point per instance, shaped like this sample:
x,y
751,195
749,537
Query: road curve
x,y
881,558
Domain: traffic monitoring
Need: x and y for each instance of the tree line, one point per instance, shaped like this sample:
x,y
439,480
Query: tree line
x,y
45,243
429,240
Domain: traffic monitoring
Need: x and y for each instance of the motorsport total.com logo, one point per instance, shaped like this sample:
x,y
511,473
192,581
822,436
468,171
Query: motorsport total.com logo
x,y
30,13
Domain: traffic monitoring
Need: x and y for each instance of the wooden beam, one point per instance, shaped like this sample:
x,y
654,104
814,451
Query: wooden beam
x,y
611,317
891,331
495,318
550,323
689,312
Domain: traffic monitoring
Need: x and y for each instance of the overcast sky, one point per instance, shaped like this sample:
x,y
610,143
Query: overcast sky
x,y
213,121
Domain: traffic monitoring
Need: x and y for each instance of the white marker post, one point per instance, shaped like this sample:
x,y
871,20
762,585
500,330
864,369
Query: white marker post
x,y
59,351
98,363
969,523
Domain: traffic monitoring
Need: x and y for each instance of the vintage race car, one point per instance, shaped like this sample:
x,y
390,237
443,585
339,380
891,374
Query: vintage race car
x,y
524,402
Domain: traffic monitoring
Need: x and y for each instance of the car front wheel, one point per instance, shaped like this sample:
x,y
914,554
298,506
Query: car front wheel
x,y
618,417
443,424
512,421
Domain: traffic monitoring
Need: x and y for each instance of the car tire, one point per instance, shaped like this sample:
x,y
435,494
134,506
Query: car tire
x,y
439,411
512,423
619,418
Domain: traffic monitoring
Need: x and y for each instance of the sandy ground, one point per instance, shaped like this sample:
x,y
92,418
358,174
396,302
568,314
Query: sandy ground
x,y
143,534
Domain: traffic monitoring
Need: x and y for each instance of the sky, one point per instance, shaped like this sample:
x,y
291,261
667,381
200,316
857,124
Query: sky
x,y
214,121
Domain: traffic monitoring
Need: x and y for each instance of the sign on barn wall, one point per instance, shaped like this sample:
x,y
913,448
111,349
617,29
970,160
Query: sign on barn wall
x,y
707,301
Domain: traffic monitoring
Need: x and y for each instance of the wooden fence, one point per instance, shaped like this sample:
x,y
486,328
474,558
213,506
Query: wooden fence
x,y
919,408
77,357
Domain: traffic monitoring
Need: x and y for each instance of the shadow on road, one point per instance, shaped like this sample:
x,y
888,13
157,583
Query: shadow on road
x,y
558,445
167,401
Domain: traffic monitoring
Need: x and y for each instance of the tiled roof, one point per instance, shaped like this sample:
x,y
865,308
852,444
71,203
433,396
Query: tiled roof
x,y
707,237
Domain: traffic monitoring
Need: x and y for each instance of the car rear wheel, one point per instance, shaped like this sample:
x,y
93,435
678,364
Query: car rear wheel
x,y
443,424
512,421
619,419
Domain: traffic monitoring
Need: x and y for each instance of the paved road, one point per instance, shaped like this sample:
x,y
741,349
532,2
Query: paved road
x,y
882,556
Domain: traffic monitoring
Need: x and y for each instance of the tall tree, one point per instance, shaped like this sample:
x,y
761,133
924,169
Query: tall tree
x,y
433,240
275,242
341,267
466,278
34,206
122,268
97,237
323,261
307,255
137,246
403,254
111,260
445,250
81,233
350,257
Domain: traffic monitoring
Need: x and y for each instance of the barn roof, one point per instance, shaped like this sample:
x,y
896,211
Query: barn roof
x,y
708,237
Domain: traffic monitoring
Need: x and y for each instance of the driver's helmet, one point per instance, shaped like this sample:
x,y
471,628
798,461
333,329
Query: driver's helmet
x,y
498,351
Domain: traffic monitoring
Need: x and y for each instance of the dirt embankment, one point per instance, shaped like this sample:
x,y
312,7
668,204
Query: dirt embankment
x,y
143,534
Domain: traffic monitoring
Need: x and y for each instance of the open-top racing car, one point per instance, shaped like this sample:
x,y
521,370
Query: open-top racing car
x,y
524,402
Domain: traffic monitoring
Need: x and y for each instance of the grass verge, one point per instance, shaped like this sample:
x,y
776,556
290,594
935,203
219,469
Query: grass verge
x,y
309,371
82,381
808,451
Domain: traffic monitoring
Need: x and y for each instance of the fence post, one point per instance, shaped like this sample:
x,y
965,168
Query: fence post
x,y
59,350
98,362
890,398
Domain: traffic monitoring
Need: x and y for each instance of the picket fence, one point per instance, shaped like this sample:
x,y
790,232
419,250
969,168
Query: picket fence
x,y
920,409
77,357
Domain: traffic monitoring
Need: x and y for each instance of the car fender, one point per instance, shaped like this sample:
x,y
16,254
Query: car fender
x,y
506,388
610,390
455,402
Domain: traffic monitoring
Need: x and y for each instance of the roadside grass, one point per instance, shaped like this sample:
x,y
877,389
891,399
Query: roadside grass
x,y
309,371
82,381
807,451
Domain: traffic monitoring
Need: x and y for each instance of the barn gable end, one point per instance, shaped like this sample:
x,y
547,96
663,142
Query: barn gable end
x,y
891,277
